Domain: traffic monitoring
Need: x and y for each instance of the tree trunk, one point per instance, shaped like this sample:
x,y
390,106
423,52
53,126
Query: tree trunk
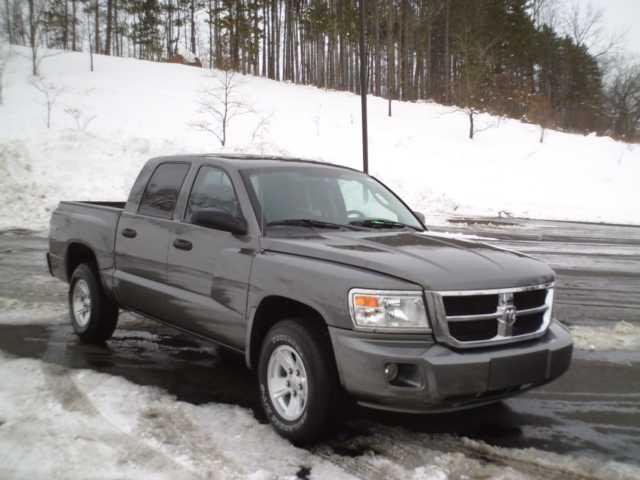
x,y
74,20
97,27
390,59
403,51
193,26
65,25
256,49
471,129
447,57
428,80
210,34
32,39
8,24
117,38
265,31
107,43
377,79
90,57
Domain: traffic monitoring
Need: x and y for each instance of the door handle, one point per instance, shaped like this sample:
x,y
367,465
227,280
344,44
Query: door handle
x,y
129,233
181,244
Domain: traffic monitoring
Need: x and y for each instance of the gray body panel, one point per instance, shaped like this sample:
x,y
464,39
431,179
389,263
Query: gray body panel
x,y
447,379
433,262
140,273
91,224
215,288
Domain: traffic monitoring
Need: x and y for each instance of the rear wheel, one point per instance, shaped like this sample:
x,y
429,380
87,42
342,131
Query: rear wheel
x,y
298,380
93,315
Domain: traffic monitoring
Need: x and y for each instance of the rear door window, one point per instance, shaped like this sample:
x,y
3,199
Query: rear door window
x,y
161,195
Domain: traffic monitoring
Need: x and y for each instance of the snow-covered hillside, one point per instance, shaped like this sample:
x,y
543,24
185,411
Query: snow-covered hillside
x,y
143,109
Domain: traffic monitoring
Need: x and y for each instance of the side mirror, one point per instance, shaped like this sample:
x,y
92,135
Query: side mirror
x,y
219,220
420,216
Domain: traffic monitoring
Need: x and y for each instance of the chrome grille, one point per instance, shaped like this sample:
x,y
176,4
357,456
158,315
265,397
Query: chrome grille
x,y
490,317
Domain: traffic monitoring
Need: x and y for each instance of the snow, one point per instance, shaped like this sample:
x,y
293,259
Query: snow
x,y
142,109
66,424
18,312
188,55
57,423
622,336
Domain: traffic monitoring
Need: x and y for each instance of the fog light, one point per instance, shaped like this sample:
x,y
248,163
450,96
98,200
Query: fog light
x,y
391,371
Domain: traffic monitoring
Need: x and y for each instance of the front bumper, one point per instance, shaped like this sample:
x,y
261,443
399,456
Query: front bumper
x,y
443,379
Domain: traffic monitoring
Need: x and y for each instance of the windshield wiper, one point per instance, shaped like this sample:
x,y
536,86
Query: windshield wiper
x,y
381,223
306,222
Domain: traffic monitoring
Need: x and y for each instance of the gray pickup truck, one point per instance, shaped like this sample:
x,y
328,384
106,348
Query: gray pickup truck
x,y
322,277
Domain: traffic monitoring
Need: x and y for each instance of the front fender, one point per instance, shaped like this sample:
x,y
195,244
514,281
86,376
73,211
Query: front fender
x,y
319,284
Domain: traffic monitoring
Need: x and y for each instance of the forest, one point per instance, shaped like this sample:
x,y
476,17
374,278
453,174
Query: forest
x,y
505,57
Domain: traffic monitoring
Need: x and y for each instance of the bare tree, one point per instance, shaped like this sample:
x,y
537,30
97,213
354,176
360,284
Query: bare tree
x,y
8,25
585,25
544,12
81,120
540,111
89,33
219,104
37,10
623,100
50,92
476,67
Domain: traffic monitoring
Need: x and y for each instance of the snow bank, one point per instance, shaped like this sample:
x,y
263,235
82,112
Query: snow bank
x,y
57,423
141,109
61,424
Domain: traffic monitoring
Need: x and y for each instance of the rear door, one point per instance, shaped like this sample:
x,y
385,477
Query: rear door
x,y
209,269
142,241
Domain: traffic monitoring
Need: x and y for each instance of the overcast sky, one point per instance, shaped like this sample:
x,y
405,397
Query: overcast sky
x,y
620,15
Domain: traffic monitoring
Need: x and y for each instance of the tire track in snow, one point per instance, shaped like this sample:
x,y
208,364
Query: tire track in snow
x,y
132,449
393,458
395,453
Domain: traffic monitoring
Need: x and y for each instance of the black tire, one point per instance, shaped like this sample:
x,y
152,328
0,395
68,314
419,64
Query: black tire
x,y
312,344
103,312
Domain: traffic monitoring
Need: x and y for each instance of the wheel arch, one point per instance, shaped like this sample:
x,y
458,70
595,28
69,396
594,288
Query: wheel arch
x,y
76,254
271,310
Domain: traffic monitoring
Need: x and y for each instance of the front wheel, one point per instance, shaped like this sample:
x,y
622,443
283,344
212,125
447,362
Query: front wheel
x,y
298,380
93,315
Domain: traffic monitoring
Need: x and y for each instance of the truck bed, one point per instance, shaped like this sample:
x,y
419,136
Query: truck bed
x,y
87,223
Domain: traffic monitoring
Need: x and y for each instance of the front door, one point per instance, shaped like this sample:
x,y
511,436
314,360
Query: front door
x,y
209,269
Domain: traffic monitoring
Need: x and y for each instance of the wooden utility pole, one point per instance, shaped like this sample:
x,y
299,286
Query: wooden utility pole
x,y
363,92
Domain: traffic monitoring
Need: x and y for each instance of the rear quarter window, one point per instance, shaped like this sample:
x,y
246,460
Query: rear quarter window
x,y
161,195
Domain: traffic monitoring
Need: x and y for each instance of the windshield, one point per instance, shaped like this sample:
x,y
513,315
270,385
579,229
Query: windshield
x,y
332,196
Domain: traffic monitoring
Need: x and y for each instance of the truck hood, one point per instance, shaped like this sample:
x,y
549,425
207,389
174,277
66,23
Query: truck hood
x,y
433,261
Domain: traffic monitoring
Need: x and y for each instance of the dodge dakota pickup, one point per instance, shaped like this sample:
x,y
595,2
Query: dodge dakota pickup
x,y
322,277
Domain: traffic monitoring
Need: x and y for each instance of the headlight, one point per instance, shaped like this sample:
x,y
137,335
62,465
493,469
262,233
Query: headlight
x,y
391,310
548,315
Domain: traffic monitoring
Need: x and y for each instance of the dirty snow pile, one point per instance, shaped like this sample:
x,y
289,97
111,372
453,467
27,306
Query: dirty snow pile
x,y
106,123
57,423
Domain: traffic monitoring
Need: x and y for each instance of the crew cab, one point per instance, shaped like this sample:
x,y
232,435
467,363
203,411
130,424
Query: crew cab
x,y
322,277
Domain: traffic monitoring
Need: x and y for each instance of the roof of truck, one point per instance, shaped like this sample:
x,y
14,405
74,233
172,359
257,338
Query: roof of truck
x,y
240,160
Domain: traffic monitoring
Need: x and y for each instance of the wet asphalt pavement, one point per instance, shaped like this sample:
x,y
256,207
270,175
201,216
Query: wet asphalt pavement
x,y
593,410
